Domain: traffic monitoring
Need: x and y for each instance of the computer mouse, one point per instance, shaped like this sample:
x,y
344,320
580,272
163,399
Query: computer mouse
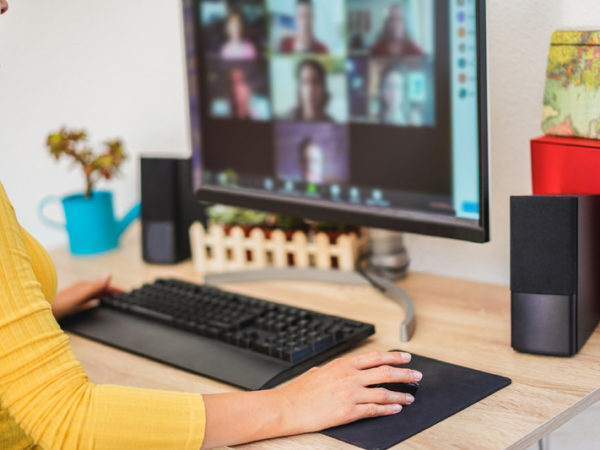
x,y
407,388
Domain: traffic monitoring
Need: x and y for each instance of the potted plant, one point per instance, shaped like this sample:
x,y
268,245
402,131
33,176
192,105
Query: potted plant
x,y
211,252
229,217
89,216
247,219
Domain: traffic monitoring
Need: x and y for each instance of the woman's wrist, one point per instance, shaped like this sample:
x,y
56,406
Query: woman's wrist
x,y
289,418
236,418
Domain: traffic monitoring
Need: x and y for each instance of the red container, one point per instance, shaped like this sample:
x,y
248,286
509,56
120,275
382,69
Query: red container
x,y
563,165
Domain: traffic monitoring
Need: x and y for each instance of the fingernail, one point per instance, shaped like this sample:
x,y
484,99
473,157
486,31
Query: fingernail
x,y
418,376
397,408
406,357
409,399
106,277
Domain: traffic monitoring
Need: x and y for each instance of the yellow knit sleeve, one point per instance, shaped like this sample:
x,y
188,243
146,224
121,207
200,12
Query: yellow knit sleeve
x,y
42,265
46,391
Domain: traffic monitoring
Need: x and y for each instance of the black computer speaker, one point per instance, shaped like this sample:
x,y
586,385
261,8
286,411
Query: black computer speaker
x,y
168,209
555,272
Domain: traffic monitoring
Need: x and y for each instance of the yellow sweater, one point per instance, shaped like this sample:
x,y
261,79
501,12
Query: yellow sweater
x,y
46,399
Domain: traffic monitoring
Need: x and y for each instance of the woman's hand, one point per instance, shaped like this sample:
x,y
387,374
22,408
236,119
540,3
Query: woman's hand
x,y
334,394
337,393
82,295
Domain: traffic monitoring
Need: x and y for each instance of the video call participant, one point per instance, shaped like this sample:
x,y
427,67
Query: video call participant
x,y
392,96
394,39
313,95
240,95
236,47
304,41
312,161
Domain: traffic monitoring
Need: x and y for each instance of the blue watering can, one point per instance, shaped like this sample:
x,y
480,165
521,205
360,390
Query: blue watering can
x,y
90,223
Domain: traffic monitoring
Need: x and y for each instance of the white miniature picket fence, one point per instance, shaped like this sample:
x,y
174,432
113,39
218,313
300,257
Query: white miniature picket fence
x,y
214,250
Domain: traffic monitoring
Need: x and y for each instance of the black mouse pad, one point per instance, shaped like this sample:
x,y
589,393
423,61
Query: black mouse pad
x,y
445,390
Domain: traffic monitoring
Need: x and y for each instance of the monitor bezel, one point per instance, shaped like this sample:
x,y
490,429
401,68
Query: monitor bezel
x,y
409,221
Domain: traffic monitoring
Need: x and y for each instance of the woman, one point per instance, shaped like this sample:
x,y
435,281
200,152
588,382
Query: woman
x,y
312,161
240,95
304,40
48,402
313,95
392,96
394,39
236,47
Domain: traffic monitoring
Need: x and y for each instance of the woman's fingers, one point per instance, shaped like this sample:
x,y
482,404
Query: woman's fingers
x,y
101,288
383,396
376,359
110,291
389,374
85,291
368,410
88,305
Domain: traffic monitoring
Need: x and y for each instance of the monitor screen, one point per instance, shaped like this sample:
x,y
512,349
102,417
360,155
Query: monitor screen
x,y
370,112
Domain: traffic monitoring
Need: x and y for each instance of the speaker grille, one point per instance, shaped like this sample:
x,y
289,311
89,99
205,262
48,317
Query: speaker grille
x,y
159,242
544,245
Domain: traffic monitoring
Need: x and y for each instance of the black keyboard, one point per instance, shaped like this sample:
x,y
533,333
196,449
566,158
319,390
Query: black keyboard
x,y
241,340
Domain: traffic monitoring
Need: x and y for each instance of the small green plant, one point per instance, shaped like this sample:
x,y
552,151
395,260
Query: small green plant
x,y
332,227
96,166
289,223
232,216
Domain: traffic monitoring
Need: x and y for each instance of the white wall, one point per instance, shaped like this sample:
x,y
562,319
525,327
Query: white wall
x,y
113,67
116,68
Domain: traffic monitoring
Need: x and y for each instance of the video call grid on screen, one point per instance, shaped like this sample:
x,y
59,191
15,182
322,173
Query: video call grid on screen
x,y
312,97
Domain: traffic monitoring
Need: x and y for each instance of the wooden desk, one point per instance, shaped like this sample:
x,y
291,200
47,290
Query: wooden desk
x,y
457,321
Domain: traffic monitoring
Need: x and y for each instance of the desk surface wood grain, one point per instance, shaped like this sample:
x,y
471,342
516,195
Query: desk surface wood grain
x,y
460,322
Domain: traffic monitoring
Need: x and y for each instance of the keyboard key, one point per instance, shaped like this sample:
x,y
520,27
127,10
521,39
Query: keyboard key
x,y
322,342
219,324
262,347
212,332
299,352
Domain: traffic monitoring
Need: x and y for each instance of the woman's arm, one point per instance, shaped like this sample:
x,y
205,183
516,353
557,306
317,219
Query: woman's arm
x,y
45,389
321,398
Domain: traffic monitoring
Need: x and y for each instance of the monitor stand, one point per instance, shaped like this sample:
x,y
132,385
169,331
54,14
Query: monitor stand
x,y
361,277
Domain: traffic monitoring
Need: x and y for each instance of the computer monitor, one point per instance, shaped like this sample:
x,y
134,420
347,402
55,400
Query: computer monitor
x,y
367,112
